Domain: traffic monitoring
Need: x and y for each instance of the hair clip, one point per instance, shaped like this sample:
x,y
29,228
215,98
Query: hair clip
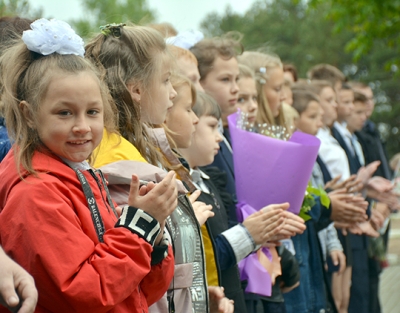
x,y
263,70
113,29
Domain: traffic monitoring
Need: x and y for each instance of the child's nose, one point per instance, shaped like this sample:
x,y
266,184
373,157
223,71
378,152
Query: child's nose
x,y
81,126
235,87
172,94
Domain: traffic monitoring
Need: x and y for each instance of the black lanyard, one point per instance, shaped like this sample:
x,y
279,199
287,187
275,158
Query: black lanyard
x,y
92,204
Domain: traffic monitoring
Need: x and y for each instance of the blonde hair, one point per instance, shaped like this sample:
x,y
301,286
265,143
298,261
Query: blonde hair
x,y
246,72
261,63
25,76
207,50
178,81
179,52
206,106
165,29
133,55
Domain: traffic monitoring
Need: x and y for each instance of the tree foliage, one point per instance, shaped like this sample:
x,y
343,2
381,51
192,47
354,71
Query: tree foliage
x,y
103,12
19,8
301,34
369,20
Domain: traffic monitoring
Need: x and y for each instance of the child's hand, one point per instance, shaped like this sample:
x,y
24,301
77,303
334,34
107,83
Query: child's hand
x,y
218,302
158,200
338,258
347,208
293,223
266,223
202,211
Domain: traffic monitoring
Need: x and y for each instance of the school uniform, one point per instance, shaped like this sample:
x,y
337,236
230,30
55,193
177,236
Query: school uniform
x,y
359,291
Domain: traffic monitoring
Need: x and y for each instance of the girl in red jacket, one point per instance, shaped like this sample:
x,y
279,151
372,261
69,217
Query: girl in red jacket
x,y
57,219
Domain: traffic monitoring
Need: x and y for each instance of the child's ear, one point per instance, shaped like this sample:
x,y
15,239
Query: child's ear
x,y
26,110
135,91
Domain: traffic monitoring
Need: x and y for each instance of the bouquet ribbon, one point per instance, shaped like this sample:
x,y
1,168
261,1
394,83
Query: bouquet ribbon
x,y
260,268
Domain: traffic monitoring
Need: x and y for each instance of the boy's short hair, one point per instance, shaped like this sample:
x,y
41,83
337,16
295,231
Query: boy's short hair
x,y
346,86
318,85
207,50
206,106
302,98
360,97
291,69
326,72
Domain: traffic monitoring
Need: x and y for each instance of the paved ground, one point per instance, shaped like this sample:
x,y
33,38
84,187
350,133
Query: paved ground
x,y
390,278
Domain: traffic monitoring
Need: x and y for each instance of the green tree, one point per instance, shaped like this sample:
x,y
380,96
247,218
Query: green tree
x,y
19,7
102,12
370,21
302,35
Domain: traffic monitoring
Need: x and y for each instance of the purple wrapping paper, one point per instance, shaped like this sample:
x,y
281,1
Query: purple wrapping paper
x,y
251,268
269,170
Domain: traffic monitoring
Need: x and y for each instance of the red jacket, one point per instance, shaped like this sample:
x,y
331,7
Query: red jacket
x,y
46,226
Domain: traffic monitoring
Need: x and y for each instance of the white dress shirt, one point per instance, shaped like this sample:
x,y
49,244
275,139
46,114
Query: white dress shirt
x,y
333,155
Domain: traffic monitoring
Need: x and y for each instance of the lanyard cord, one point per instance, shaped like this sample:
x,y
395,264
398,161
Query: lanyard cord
x,y
92,204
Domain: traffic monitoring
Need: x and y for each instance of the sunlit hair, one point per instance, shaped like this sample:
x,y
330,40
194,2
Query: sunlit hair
x,y
245,72
165,29
262,63
135,57
302,98
326,72
206,106
179,52
207,50
25,76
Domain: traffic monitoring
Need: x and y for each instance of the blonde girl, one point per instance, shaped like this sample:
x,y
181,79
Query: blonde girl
x,y
268,70
57,218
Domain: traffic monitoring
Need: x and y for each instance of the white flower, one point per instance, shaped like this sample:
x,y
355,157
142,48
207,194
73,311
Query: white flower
x,y
49,36
186,39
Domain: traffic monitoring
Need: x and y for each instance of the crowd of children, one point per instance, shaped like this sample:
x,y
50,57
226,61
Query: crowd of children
x,y
118,185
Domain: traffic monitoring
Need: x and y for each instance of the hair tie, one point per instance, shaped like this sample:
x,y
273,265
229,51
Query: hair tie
x,y
112,29
53,36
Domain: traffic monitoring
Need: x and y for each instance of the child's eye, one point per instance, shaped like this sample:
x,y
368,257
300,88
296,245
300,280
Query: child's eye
x,y
93,112
255,99
225,79
240,99
64,113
